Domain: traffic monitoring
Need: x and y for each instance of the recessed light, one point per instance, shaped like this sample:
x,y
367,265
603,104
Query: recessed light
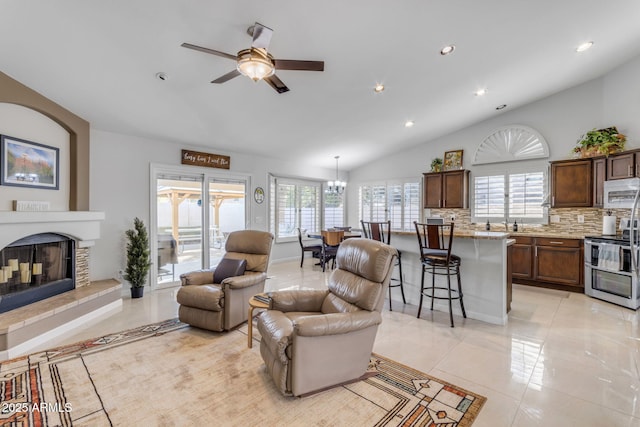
x,y
409,123
501,107
480,92
584,46
447,49
379,87
162,76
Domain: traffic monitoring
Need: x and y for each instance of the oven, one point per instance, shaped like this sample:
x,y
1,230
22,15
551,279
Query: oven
x,y
610,273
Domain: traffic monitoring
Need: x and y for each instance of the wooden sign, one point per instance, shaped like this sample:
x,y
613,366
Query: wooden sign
x,y
196,158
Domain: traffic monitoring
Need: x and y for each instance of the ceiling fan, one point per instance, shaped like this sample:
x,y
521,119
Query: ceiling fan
x,y
256,63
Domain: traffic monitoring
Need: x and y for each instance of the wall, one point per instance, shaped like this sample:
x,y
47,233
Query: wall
x,y
561,119
120,173
25,123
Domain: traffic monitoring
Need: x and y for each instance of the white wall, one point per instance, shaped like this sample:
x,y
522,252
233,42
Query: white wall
x,y
613,100
120,169
25,123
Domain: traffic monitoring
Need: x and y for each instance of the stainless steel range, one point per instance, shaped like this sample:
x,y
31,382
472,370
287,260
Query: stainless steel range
x,y
611,270
610,273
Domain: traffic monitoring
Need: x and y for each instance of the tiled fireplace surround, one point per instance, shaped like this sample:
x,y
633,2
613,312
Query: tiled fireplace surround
x,y
28,326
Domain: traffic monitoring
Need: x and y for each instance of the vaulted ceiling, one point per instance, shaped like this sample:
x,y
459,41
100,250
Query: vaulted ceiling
x,y
99,59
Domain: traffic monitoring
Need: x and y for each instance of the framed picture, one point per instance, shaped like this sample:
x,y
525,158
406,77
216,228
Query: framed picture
x,y
28,164
452,160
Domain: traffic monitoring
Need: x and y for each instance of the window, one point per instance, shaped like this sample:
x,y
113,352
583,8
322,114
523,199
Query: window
x,y
395,201
301,203
511,196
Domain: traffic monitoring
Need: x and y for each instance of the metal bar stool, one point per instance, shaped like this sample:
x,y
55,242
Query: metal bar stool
x,y
435,242
381,231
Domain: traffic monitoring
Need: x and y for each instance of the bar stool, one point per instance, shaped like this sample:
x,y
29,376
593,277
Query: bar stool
x,y
435,242
381,231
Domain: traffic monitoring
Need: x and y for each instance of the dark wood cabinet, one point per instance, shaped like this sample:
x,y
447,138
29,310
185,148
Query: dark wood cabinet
x,y
571,184
623,166
432,190
599,168
546,262
522,258
446,189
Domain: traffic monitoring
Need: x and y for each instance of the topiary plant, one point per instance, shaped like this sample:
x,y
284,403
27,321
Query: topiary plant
x,y
138,257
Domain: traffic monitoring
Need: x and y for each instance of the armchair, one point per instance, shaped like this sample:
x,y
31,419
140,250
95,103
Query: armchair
x,y
217,300
314,339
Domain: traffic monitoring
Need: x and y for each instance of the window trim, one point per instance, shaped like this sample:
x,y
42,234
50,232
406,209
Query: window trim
x,y
406,223
507,172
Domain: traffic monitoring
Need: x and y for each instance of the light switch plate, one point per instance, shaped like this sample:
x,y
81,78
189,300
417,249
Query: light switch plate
x,y
554,218
580,219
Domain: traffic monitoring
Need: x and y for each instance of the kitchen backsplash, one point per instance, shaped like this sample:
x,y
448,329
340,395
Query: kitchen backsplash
x,y
568,221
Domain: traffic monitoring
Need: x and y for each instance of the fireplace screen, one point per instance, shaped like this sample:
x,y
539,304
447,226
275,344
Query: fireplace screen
x,y
35,268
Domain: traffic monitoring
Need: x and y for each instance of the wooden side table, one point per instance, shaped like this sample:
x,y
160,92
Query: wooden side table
x,y
253,304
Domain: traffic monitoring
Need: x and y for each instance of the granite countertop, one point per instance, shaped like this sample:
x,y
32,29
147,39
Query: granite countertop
x,y
499,235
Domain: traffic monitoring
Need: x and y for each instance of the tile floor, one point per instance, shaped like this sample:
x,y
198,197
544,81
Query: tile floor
x,y
563,360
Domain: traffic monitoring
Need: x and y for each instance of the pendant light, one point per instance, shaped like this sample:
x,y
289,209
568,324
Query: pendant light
x,y
336,186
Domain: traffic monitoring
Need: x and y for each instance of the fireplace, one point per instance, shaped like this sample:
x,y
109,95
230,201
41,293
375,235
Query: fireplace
x,y
34,268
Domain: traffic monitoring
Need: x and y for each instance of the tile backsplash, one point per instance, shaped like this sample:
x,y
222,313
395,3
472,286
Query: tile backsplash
x,y
568,220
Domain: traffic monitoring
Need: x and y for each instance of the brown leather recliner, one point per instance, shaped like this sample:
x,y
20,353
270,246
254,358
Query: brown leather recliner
x,y
314,339
219,305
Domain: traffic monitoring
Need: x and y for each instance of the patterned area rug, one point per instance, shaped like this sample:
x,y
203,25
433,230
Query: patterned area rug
x,y
171,374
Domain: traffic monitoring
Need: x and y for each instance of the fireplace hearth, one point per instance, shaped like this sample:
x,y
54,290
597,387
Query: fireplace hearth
x,y
35,268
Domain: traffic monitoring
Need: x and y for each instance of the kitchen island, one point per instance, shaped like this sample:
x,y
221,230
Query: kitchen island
x,y
485,283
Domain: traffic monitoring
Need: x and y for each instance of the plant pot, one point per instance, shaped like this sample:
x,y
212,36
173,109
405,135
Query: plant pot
x,y
137,292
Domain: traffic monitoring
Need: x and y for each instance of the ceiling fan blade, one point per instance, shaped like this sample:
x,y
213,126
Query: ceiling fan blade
x,y
211,51
227,77
276,83
291,64
261,36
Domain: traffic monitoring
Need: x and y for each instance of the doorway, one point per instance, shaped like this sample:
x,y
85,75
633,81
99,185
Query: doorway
x,y
184,236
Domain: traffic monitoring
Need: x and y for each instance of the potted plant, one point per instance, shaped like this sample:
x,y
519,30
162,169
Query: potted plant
x,y
436,164
138,258
600,141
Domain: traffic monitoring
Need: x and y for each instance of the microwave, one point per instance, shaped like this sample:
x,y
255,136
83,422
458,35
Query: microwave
x,y
621,193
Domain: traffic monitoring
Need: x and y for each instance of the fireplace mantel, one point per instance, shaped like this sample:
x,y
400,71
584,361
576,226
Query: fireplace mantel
x,y
83,226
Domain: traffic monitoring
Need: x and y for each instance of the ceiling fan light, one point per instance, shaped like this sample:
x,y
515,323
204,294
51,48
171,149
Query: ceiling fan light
x,y
255,65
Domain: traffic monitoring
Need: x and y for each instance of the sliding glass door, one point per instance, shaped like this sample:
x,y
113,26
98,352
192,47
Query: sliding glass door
x,y
226,212
179,232
192,214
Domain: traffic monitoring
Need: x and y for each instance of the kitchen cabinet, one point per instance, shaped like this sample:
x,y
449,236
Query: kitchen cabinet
x,y
599,168
571,183
559,261
446,189
548,262
623,165
522,258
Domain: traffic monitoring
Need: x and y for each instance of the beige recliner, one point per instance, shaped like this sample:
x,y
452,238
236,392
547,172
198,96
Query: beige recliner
x,y
218,299
314,339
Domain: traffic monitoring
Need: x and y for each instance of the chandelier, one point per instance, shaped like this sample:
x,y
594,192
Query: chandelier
x,y
336,186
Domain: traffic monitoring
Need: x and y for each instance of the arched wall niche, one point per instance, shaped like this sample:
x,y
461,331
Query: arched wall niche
x,y
14,92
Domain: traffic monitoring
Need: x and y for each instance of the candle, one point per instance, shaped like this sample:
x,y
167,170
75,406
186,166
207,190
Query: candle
x,y
37,268
13,263
24,266
2,278
8,272
25,276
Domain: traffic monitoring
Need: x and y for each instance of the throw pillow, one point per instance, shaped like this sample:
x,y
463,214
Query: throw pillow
x,y
229,268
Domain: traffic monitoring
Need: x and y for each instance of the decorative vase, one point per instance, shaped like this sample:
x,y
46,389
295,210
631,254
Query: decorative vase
x,y
137,292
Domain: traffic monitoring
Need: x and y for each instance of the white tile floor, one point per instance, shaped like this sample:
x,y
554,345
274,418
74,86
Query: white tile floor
x,y
563,360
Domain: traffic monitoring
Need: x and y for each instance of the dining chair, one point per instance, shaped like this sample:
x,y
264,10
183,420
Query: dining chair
x,y
330,242
381,231
315,248
435,242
